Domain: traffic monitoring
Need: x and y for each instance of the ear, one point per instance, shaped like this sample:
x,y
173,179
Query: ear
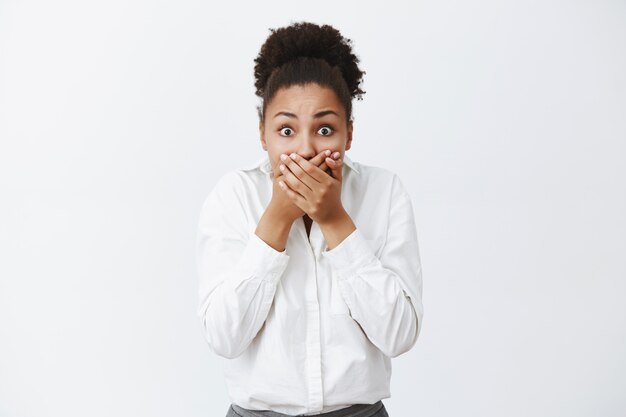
x,y
262,135
349,141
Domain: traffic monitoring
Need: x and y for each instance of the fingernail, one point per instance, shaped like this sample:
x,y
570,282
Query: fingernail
x,y
336,155
327,152
282,167
283,157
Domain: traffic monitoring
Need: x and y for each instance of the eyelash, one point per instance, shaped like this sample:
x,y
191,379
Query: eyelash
x,y
332,130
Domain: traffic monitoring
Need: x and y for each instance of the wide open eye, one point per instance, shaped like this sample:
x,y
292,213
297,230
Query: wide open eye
x,y
288,130
327,130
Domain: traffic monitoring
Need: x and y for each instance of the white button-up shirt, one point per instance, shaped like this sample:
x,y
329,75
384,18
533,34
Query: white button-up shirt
x,y
309,330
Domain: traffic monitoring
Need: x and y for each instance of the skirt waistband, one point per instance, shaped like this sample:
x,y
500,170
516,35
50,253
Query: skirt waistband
x,y
355,410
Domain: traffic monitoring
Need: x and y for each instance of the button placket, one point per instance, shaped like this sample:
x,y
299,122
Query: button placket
x,y
313,340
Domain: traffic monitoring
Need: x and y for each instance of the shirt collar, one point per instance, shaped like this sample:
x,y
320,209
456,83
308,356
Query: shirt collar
x,y
265,165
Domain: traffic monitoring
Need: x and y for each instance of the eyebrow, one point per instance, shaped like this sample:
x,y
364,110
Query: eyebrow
x,y
316,115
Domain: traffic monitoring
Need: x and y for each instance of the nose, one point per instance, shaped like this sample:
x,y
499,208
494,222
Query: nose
x,y
305,148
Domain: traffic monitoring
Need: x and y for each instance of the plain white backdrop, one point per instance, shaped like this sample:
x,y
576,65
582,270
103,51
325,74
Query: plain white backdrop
x,y
506,121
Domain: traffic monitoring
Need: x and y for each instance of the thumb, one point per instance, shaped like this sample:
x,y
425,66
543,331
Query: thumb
x,y
335,167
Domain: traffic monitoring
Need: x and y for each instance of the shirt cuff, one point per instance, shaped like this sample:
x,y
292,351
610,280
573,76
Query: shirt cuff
x,y
261,260
352,253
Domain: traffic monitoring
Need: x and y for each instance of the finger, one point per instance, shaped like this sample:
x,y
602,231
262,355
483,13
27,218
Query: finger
x,y
310,172
293,195
292,162
318,160
320,157
279,178
336,168
294,182
324,167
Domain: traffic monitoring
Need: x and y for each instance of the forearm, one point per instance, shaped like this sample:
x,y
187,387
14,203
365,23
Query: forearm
x,y
273,229
381,307
336,229
235,315
385,299
236,299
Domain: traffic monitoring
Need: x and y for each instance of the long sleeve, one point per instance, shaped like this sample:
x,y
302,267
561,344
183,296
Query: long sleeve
x,y
384,294
238,271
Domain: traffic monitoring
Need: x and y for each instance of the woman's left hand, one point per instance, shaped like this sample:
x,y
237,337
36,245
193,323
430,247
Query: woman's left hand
x,y
313,190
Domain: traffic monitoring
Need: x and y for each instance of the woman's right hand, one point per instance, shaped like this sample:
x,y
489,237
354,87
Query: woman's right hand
x,y
280,200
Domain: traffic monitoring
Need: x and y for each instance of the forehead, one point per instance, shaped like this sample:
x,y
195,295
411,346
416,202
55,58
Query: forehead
x,y
309,97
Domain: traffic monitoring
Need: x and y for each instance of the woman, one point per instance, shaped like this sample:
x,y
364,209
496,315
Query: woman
x,y
310,277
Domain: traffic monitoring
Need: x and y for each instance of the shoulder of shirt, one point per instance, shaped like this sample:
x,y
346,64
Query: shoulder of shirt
x,y
380,178
228,187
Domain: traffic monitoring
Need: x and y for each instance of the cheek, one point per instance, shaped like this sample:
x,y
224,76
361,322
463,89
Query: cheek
x,y
337,144
275,152
276,147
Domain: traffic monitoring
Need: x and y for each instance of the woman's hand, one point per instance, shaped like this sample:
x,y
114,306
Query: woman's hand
x,y
311,189
280,200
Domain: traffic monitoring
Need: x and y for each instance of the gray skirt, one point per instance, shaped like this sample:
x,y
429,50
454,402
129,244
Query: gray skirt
x,y
357,410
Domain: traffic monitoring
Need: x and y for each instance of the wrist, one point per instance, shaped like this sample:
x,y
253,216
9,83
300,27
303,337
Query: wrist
x,y
273,229
337,218
277,217
337,228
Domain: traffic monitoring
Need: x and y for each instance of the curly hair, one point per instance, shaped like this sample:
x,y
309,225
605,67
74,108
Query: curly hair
x,y
307,53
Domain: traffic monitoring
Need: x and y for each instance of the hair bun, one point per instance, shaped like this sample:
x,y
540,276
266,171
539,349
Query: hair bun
x,y
305,39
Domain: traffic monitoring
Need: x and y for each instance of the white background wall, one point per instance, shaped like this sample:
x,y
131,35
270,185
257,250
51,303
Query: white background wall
x,y
506,121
